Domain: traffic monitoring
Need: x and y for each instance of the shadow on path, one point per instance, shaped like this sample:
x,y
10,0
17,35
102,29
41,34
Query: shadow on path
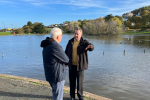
x,y
10,94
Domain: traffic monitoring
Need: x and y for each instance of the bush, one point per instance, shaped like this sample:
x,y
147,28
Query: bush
x,y
19,31
39,28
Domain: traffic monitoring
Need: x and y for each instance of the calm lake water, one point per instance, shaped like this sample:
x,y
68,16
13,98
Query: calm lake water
x,y
114,74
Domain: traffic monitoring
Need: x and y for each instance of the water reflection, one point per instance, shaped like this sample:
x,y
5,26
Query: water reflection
x,y
140,40
119,66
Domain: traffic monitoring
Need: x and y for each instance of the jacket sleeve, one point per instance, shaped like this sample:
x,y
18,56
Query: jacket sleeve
x,y
66,50
60,54
87,43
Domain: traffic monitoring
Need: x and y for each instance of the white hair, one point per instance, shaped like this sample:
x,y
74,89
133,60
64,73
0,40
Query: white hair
x,y
55,32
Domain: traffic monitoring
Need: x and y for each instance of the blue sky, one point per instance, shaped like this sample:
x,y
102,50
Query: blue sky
x,y
16,13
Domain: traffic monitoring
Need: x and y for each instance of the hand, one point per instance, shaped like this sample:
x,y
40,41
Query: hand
x,y
66,66
89,46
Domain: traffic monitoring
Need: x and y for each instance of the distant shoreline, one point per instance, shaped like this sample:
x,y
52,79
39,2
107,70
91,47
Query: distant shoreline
x,y
128,33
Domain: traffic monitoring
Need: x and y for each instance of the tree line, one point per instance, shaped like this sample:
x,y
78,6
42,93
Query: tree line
x,y
108,25
136,11
142,22
32,28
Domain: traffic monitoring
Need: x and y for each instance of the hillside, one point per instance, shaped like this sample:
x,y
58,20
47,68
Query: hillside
x,y
136,11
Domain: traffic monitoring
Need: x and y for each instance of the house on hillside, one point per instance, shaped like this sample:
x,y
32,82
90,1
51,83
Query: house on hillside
x,y
138,14
60,25
132,24
65,24
126,15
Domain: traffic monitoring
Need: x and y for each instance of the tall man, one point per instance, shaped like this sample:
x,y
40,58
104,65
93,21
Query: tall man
x,y
54,60
76,50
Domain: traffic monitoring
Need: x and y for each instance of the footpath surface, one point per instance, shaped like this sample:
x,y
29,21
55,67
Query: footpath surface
x,y
21,88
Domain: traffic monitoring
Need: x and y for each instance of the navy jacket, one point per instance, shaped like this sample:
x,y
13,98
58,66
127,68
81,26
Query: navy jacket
x,y
54,60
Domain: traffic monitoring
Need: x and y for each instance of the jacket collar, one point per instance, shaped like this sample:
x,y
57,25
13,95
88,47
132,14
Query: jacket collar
x,y
46,42
80,39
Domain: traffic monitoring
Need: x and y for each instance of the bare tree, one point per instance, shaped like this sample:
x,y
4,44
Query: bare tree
x,y
72,25
98,27
112,27
95,27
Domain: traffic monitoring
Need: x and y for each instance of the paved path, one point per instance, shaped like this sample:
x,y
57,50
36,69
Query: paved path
x,y
11,89
21,88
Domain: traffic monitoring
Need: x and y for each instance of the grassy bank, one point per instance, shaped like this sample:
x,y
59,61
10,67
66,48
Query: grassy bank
x,y
5,33
136,32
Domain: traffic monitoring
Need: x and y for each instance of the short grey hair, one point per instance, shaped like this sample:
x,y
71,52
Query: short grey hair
x,y
55,32
78,28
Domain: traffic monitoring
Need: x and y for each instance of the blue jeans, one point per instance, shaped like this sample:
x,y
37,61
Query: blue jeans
x,y
57,90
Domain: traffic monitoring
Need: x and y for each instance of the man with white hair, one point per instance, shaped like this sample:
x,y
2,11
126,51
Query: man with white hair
x,y
54,61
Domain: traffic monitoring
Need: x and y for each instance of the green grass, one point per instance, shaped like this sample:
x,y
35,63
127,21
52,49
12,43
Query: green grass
x,y
65,90
10,78
137,32
48,29
88,98
5,33
35,83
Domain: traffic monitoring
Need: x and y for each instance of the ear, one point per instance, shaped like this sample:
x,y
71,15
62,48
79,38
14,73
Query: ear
x,y
57,37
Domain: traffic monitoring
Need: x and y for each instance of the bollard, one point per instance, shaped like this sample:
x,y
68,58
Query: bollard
x,y
124,52
103,52
144,51
3,56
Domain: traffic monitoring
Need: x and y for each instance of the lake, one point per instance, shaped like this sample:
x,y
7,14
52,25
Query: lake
x,y
119,66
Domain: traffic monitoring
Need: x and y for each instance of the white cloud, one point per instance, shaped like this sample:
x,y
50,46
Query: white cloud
x,y
6,2
116,6
79,3
99,7
38,4
125,6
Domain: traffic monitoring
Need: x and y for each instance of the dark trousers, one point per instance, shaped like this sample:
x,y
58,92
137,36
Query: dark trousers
x,y
73,76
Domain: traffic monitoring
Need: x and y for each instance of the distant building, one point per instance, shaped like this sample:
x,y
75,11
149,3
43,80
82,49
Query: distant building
x,y
65,24
56,25
60,25
139,14
132,24
126,15
50,26
9,29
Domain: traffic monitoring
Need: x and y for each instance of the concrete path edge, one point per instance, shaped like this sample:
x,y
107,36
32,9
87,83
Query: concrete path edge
x,y
87,94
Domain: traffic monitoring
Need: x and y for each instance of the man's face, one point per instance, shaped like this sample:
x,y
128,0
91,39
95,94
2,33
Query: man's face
x,y
77,35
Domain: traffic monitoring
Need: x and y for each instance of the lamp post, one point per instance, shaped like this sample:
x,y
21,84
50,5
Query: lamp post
x,y
4,26
12,26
